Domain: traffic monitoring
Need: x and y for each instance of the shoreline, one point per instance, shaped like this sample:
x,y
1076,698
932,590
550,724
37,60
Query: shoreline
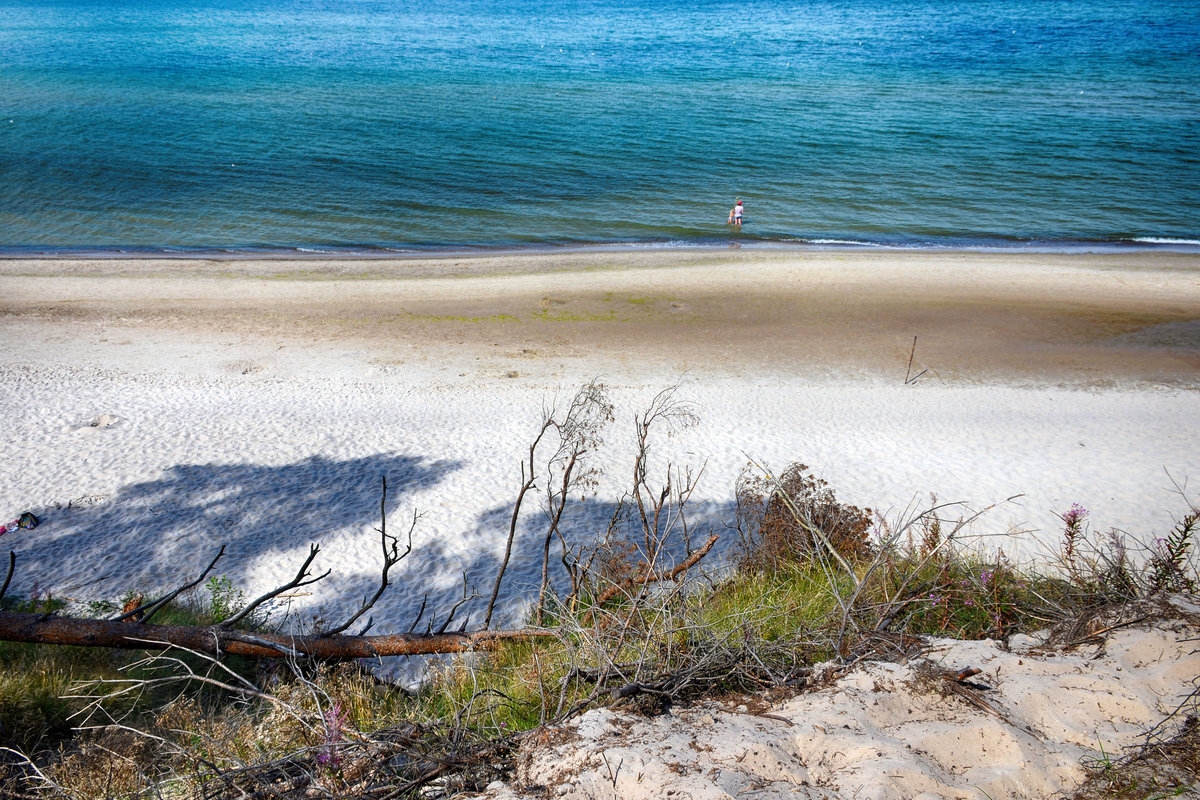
x,y
977,318
982,245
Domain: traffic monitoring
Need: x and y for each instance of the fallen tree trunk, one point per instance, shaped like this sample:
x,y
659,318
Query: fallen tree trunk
x,y
214,639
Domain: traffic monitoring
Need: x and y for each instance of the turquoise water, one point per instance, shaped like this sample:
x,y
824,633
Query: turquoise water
x,y
364,124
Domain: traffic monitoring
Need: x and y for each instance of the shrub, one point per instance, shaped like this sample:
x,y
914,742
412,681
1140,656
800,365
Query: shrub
x,y
781,519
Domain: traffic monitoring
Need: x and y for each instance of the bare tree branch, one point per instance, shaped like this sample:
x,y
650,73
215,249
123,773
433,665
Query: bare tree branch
x,y
647,576
391,557
558,504
528,480
466,596
148,610
295,582
579,433
12,564
420,613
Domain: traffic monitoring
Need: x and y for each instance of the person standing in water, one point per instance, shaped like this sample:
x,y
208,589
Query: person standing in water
x,y
735,214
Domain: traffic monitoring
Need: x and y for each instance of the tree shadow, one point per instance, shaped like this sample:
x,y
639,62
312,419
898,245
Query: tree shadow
x,y
155,534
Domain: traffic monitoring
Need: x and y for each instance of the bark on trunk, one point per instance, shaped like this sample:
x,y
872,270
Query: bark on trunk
x,y
213,639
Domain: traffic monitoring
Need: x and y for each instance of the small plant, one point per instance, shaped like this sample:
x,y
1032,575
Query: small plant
x,y
1072,531
960,595
329,755
931,531
37,602
225,599
101,608
1098,568
1169,560
1106,569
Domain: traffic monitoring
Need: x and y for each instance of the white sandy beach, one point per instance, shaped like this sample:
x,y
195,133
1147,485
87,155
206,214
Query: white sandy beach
x,y
156,410
257,404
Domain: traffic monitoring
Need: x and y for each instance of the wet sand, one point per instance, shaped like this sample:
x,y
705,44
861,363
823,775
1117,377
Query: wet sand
x,y
1062,319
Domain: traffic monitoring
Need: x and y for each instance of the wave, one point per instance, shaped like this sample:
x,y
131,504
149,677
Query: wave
x,y
1166,240
650,237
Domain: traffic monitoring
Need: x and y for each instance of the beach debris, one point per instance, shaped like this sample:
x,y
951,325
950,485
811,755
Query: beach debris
x,y
28,521
132,629
88,501
962,676
132,607
909,378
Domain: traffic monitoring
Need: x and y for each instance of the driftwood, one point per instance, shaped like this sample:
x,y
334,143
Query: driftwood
x,y
215,639
646,575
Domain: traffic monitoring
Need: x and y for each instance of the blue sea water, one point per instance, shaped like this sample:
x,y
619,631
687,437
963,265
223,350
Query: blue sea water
x,y
368,125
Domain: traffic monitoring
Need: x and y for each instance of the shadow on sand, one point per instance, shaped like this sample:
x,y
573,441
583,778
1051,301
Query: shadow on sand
x,y
152,534
159,534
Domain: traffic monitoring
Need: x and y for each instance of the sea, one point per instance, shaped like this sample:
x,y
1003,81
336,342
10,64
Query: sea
x,y
377,127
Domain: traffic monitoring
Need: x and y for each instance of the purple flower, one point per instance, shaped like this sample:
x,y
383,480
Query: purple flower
x,y
335,724
1074,516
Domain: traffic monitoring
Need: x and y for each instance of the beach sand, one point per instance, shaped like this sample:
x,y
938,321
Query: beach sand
x,y
1024,727
155,410
1095,320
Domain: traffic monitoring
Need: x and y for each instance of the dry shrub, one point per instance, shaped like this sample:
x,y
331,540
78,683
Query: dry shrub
x,y
110,762
617,561
1153,769
776,517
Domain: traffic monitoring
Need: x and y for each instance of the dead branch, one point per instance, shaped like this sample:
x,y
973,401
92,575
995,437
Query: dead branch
x,y
908,376
578,434
215,639
558,504
420,613
391,557
675,414
467,596
295,582
124,632
646,576
528,480
147,610
12,563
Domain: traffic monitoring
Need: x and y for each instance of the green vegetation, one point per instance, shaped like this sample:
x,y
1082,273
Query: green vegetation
x,y
577,316
801,593
39,684
460,318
